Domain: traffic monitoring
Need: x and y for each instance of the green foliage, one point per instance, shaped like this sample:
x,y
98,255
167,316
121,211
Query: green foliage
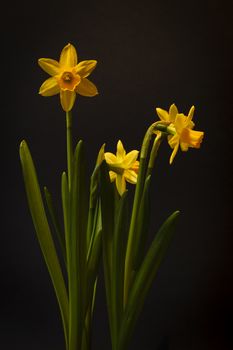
x,y
43,232
97,220
81,218
145,276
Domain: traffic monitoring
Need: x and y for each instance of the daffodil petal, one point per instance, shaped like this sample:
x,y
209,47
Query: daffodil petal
x,y
173,140
50,66
68,57
174,153
173,111
135,167
130,176
110,158
163,115
85,68
50,87
181,122
86,88
120,184
112,175
191,112
130,158
191,124
67,99
120,151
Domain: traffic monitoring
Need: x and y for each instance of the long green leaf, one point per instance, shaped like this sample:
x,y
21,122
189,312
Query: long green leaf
x,y
66,209
55,221
94,193
93,297
142,227
43,232
129,271
107,210
77,248
118,262
92,268
145,277
93,260
93,256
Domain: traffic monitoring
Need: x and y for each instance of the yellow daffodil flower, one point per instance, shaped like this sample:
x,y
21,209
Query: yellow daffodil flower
x,y
123,167
181,129
68,77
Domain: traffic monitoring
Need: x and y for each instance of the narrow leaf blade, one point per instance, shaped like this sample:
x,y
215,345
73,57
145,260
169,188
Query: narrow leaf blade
x,y
107,210
142,227
43,232
118,260
55,221
76,247
146,275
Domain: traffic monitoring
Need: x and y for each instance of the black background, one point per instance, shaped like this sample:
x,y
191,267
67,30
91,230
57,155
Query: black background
x,y
149,54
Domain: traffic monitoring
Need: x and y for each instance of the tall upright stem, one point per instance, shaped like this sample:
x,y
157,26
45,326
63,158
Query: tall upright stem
x,y
69,147
136,204
71,253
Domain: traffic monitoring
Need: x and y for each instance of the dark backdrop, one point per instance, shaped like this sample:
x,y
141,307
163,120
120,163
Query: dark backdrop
x,y
150,53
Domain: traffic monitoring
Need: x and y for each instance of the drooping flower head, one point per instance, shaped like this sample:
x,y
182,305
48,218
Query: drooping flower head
x,y
123,167
68,77
181,127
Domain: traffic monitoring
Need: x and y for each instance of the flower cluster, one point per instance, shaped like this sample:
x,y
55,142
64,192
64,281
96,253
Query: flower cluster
x,y
69,78
98,224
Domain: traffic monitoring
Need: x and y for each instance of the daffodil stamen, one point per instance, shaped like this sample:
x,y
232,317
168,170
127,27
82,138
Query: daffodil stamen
x,y
67,76
69,81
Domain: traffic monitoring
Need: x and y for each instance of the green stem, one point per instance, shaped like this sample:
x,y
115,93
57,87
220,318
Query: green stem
x,y
153,154
165,127
71,243
136,204
69,147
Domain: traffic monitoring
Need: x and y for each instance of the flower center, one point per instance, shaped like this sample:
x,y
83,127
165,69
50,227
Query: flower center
x,y
67,77
68,80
